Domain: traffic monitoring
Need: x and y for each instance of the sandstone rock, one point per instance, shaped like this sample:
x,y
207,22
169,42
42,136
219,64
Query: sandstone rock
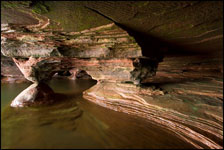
x,y
35,94
73,73
110,70
187,102
200,31
40,69
145,103
13,80
107,41
185,105
9,68
116,69
79,74
12,48
107,44
24,18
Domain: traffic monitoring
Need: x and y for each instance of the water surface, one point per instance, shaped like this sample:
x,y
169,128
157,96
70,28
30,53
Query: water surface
x,y
75,123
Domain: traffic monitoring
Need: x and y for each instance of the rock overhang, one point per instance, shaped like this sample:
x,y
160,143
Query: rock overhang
x,y
110,55
181,26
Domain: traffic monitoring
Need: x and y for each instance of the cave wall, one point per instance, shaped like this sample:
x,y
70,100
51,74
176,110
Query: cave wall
x,y
157,60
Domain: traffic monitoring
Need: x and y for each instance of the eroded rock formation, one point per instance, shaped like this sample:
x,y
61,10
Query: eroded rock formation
x,y
107,53
189,107
35,94
78,74
10,72
188,100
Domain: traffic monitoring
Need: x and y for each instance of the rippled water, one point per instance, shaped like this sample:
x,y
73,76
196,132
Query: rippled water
x,y
75,123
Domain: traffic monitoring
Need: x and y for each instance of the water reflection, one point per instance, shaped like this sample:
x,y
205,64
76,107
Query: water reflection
x,y
76,123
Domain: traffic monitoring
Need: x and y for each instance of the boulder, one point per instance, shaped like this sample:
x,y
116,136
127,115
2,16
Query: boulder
x,y
34,95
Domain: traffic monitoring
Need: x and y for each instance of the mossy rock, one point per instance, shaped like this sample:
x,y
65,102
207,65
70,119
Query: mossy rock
x,y
71,15
15,4
40,8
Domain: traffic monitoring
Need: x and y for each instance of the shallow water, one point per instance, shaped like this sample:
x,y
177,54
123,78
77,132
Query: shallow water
x,y
76,123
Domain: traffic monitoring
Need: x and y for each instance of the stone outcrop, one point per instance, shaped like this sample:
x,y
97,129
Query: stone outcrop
x,y
106,53
40,69
116,69
115,89
192,25
182,97
185,96
34,95
107,41
10,72
78,74
110,70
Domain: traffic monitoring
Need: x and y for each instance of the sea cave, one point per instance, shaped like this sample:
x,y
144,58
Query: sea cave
x,y
112,74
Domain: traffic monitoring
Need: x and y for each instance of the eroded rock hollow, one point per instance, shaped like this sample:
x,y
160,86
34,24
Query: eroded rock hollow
x,y
129,79
107,53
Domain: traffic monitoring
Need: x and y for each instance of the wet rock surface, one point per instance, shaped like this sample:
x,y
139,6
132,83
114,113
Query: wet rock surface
x,y
107,53
34,95
80,74
107,44
188,102
183,94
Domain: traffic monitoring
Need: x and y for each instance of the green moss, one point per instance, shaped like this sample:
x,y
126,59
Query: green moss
x,y
40,8
194,108
141,4
73,16
73,36
131,39
15,4
6,4
36,55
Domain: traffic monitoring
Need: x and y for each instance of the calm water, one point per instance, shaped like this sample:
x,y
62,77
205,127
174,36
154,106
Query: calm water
x,y
75,123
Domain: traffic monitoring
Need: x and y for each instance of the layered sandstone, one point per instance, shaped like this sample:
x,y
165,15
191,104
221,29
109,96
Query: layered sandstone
x,y
184,97
35,94
10,72
106,53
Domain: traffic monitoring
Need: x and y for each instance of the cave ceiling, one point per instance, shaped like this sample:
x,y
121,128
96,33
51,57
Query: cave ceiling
x,y
180,26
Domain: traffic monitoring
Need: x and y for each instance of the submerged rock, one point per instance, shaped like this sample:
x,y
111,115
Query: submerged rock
x,y
35,94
